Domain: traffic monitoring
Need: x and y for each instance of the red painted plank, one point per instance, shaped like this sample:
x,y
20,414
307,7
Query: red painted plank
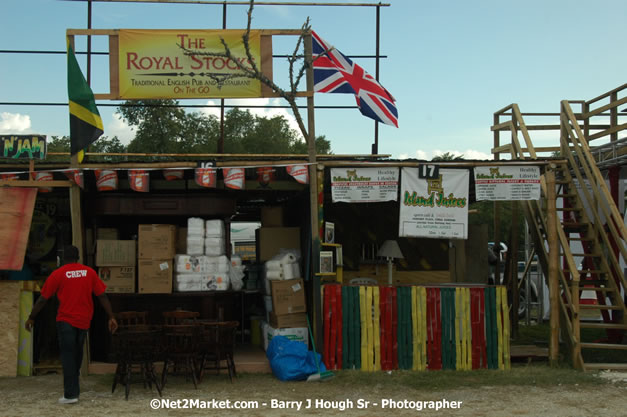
x,y
16,215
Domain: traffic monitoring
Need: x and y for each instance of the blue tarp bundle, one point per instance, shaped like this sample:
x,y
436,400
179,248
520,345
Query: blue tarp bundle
x,y
290,360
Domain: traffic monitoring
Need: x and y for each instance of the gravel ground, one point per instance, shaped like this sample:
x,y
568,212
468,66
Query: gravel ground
x,y
37,396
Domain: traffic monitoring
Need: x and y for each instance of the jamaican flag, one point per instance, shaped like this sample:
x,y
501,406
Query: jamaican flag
x,y
85,122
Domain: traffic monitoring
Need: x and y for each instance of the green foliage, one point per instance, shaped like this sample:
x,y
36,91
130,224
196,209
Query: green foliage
x,y
485,215
103,145
447,156
164,127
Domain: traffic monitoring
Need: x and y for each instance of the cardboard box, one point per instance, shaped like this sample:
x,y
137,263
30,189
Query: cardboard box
x,y
288,296
118,279
156,241
288,320
297,334
270,241
272,216
154,276
115,253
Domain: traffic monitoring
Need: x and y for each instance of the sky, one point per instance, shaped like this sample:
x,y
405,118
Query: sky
x,y
450,64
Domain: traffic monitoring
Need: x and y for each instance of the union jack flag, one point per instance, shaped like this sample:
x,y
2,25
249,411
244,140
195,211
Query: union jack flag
x,y
335,73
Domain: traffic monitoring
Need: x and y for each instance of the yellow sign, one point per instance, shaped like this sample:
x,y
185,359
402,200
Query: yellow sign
x,y
157,64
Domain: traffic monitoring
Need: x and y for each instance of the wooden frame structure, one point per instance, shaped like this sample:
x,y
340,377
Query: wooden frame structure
x,y
589,211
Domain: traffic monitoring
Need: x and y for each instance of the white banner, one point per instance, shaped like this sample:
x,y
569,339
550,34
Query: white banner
x,y
435,208
507,183
364,185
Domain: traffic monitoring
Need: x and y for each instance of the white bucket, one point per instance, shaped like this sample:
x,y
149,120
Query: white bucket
x,y
139,180
173,174
234,178
299,172
265,175
43,176
106,180
75,175
205,177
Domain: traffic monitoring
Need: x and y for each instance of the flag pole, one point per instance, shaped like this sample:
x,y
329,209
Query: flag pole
x,y
375,146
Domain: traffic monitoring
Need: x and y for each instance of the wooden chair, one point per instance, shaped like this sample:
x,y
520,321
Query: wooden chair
x,y
131,318
217,346
179,317
181,347
136,348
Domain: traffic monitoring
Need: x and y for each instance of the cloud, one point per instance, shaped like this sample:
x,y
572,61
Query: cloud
x,y
14,123
118,127
258,111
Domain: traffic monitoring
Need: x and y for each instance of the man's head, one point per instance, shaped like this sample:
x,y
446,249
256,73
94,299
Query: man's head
x,y
70,254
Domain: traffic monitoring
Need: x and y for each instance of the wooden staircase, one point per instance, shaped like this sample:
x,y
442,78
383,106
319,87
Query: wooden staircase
x,y
589,227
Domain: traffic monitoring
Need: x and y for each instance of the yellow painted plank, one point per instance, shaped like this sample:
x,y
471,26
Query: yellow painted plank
x,y
364,335
415,330
505,308
499,326
458,330
377,332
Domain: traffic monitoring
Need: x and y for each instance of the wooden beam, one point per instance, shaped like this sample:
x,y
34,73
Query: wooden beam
x,y
553,265
502,126
35,184
611,131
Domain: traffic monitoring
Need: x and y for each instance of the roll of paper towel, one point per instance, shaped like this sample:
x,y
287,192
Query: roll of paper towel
x,y
288,271
286,258
274,266
274,274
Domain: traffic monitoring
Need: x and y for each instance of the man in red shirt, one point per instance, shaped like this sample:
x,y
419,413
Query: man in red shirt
x,y
73,284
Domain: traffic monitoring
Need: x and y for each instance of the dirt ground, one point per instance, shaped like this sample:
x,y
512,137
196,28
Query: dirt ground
x,y
37,396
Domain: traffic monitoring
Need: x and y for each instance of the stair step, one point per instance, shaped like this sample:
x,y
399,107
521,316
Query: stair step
x,y
586,255
598,307
587,345
601,325
568,209
562,181
586,271
608,366
582,239
566,195
596,289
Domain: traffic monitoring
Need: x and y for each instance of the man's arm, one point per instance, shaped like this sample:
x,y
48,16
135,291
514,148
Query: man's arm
x,y
39,304
104,301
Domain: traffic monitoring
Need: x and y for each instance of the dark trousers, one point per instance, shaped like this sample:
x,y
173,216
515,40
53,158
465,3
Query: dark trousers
x,y
71,341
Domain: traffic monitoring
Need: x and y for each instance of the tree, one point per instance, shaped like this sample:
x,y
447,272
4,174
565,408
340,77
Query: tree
x,y
163,126
251,70
103,145
448,156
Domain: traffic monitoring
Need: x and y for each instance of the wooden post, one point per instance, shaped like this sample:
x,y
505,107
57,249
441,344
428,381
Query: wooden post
x,y
551,232
514,269
313,197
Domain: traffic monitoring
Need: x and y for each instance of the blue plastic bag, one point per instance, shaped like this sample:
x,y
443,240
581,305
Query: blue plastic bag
x,y
290,360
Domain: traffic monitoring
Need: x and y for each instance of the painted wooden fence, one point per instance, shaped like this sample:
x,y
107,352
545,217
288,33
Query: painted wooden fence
x,y
416,328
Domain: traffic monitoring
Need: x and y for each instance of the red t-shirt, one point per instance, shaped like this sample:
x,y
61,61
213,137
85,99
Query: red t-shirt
x,y
74,284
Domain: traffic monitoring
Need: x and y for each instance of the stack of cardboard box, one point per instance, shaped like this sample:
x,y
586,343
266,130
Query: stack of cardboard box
x,y
156,250
289,312
116,260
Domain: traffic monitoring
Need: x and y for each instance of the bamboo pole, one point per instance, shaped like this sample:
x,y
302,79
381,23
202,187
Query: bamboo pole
x,y
553,264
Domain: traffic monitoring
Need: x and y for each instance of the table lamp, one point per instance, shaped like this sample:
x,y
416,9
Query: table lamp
x,y
390,250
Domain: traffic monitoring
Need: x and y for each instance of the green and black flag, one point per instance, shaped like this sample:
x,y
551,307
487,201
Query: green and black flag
x,y
85,122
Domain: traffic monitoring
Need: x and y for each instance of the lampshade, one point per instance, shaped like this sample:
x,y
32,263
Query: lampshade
x,y
390,249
